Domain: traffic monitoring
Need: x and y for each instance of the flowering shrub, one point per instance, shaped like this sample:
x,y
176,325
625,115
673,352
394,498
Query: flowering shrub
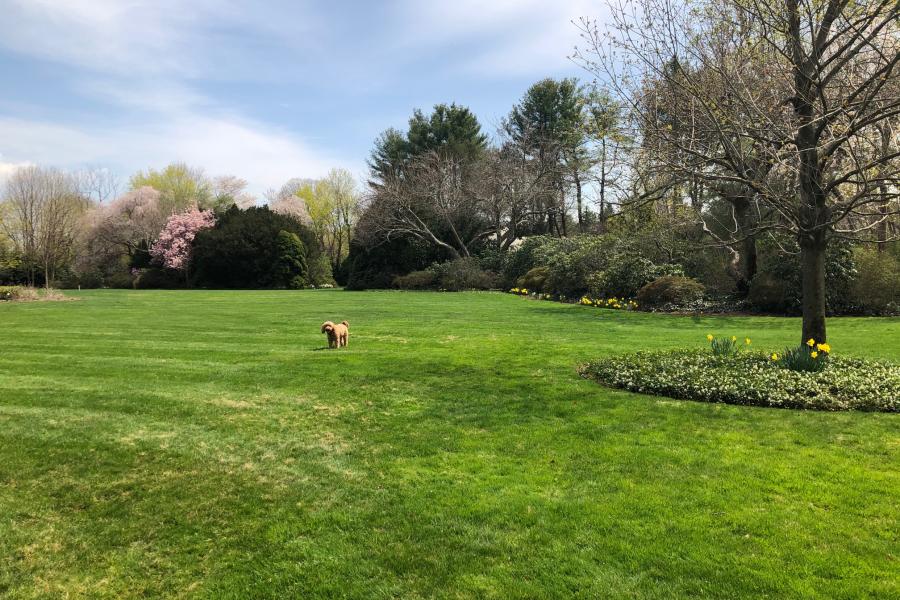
x,y
752,379
670,289
809,356
172,248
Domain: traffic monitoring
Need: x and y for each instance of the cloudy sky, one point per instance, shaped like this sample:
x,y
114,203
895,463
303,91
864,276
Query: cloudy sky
x,y
264,90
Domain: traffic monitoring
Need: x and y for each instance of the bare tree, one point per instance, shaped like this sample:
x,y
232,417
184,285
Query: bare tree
x,y
828,68
43,208
431,202
97,184
511,187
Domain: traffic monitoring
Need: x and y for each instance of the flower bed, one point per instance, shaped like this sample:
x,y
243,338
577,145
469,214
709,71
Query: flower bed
x,y
752,379
611,303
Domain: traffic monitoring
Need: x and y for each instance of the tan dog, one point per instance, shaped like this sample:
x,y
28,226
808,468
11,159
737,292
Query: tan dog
x,y
338,334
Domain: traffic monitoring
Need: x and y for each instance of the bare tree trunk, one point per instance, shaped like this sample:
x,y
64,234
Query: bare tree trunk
x,y
562,210
813,213
812,256
578,200
881,233
748,255
812,237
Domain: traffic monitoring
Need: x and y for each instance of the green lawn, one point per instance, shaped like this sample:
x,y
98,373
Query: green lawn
x,y
206,444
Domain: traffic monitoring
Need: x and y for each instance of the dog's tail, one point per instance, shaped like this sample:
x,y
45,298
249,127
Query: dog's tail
x,y
345,324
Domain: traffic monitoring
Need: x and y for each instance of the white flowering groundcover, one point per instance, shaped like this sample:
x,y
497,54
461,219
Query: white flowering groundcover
x,y
752,379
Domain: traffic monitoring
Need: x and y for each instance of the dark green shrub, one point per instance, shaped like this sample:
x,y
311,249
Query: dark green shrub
x,y
291,270
571,260
523,258
670,290
122,281
492,259
463,274
769,294
876,288
534,280
242,251
320,271
375,267
626,274
710,267
779,285
88,280
417,280
158,278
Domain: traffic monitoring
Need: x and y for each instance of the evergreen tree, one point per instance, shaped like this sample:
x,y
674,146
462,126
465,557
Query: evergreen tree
x,y
291,269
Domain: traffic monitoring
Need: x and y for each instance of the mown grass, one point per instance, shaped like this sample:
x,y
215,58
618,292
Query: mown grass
x,y
203,443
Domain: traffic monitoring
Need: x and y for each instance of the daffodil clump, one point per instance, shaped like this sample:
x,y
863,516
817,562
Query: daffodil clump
x,y
810,356
755,379
614,303
725,346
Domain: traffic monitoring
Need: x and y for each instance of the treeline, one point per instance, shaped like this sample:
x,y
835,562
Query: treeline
x,y
752,147
172,228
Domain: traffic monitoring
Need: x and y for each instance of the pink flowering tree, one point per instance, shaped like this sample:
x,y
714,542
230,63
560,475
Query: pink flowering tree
x,y
172,248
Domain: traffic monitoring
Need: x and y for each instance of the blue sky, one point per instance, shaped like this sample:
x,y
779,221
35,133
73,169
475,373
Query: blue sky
x,y
263,90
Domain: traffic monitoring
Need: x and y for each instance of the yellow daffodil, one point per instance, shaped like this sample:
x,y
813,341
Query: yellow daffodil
x,y
747,341
814,354
823,348
810,342
774,356
734,338
709,338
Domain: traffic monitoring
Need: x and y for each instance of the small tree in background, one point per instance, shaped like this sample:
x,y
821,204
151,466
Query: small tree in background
x,y
172,248
291,269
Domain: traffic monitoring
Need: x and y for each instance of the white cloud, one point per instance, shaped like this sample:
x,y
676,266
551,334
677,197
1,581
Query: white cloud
x,y
264,156
150,61
162,38
8,168
143,56
501,37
